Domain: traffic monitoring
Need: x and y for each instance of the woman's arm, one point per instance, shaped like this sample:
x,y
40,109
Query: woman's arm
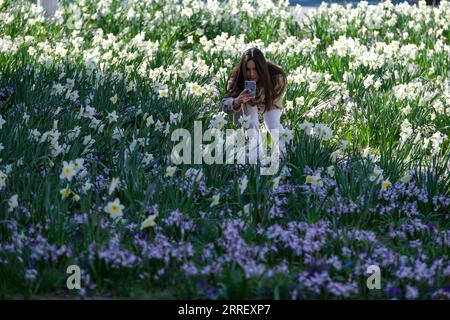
x,y
229,104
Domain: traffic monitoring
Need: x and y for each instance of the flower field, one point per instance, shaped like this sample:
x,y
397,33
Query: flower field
x,y
89,99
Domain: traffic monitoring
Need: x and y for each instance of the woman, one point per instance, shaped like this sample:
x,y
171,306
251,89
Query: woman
x,y
270,88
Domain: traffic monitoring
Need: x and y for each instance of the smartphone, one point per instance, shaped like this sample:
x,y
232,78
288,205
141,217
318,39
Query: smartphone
x,y
251,87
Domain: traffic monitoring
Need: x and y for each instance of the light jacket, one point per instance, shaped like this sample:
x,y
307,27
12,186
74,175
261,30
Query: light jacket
x,y
227,103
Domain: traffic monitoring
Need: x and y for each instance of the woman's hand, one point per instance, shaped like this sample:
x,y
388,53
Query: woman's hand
x,y
244,97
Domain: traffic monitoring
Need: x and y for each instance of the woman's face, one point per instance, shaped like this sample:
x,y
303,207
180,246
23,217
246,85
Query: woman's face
x,y
250,71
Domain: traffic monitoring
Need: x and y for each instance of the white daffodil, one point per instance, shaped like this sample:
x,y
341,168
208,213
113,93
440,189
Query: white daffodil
x,y
114,99
245,121
368,82
407,177
300,101
307,127
87,139
65,192
113,185
218,122
170,171
13,202
331,171
286,135
149,121
87,186
112,117
159,126
78,165
315,181
406,130
115,209
2,121
289,104
163,92
148,157
323,132
243,184
344,144
216,199
68,171
385,184
436,141
149,222
376,175
75,197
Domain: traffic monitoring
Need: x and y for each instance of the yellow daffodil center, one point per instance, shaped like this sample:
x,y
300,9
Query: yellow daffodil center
x,y
149,223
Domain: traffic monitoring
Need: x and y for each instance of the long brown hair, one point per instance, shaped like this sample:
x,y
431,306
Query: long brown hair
x,y
269,76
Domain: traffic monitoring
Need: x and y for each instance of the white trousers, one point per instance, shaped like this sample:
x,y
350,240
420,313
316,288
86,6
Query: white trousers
x,y
271,121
